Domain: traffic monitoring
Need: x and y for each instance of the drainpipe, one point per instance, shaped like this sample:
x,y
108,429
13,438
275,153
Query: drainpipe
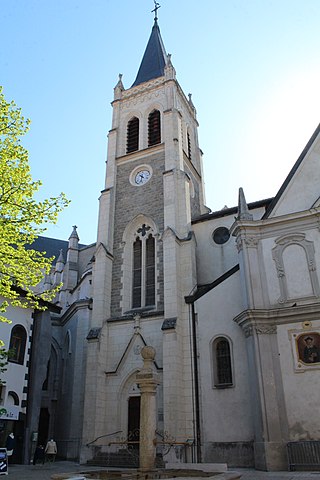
x,y
196,382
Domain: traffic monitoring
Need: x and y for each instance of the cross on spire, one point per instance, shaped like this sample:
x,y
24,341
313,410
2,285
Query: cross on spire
x,y
155,10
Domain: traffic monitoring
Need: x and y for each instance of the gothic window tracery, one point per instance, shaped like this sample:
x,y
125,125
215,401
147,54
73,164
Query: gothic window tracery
x,y
143,274
139,283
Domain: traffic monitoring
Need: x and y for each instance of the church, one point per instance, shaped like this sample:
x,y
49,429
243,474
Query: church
x,y
229,300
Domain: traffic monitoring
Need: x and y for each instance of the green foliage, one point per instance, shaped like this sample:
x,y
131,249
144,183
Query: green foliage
x,y
22,218
4,355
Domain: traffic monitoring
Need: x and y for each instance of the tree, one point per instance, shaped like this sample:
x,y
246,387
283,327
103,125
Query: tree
x,y
22,218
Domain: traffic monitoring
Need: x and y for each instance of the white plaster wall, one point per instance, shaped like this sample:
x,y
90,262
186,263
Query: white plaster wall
x,y
271,286
214,260
303,190
14,377
301,389
296,270
226,413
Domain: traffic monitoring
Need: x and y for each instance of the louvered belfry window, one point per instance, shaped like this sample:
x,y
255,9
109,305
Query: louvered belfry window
x,y
133,135
143,275
223,363
189,145
154,128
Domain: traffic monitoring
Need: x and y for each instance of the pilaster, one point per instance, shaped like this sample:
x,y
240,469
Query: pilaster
x,y
266,389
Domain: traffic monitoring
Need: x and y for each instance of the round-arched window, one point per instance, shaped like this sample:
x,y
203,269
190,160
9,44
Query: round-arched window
x,y
221,235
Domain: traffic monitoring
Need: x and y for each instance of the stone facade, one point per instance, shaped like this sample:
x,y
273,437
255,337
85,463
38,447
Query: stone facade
x,y
236,296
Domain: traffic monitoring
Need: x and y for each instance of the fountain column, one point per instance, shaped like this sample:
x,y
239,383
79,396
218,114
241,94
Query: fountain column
x,y
147,381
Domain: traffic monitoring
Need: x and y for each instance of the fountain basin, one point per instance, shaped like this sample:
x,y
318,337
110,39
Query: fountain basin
x,y
167,474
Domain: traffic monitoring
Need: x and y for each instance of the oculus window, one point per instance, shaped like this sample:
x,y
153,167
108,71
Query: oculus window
x,y
221,235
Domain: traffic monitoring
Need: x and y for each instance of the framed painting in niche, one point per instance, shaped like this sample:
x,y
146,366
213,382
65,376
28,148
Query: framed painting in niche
x,y
308,346
306,350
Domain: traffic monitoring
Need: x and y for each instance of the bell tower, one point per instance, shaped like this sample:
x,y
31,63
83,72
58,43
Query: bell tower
x,y
153,170
145,252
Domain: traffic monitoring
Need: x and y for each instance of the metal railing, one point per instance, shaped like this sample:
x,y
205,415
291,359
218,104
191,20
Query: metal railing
x,y
304,454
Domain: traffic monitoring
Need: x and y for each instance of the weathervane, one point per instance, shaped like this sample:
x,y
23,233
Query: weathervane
x,y
155,10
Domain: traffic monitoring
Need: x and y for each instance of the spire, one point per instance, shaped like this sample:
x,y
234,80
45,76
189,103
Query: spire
x,y
60,262
74,239
155,58
243,210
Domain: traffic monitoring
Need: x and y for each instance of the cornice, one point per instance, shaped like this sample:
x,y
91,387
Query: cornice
x,y
150,87
140,154
281,225
266,320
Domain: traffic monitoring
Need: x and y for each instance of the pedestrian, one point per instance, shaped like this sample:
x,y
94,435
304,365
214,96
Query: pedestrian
x,y
51,450
39,455
10,444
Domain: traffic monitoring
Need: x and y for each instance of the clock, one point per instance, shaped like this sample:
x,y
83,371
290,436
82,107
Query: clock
x,y
142,176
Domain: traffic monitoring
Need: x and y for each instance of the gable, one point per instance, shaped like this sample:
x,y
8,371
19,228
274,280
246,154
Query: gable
x,y
300,190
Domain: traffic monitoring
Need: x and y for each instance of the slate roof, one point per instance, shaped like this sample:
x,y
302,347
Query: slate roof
x,y
154,58
232,210
51,246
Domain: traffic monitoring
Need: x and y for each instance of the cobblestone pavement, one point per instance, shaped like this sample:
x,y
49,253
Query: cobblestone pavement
x,y
44,472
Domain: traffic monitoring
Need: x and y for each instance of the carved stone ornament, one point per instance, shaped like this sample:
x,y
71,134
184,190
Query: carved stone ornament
x,y
251,242
239,244
249,330
298,240
266,329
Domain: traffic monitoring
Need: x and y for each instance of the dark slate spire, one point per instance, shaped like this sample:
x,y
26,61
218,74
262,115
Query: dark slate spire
x,y
154,58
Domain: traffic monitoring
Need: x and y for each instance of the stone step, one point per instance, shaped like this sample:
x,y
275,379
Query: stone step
x,y
123,459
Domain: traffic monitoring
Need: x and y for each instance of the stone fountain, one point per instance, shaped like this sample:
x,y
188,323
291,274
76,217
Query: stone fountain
x,y
148,381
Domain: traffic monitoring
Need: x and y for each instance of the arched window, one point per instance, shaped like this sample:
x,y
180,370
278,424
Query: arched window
x,y
133,135
17,344
222,363
154,128
13,398
143,275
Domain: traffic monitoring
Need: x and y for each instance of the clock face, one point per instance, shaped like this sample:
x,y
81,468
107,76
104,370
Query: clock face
x,y
142,177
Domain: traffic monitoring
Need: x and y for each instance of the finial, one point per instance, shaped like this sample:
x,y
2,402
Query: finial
x,y
60,258
243,210
155,10
74,233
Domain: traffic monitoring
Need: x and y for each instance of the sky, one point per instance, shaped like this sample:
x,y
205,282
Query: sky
x,y
252,67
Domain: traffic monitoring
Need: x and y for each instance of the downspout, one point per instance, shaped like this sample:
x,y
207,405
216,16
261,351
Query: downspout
x,y
196,382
